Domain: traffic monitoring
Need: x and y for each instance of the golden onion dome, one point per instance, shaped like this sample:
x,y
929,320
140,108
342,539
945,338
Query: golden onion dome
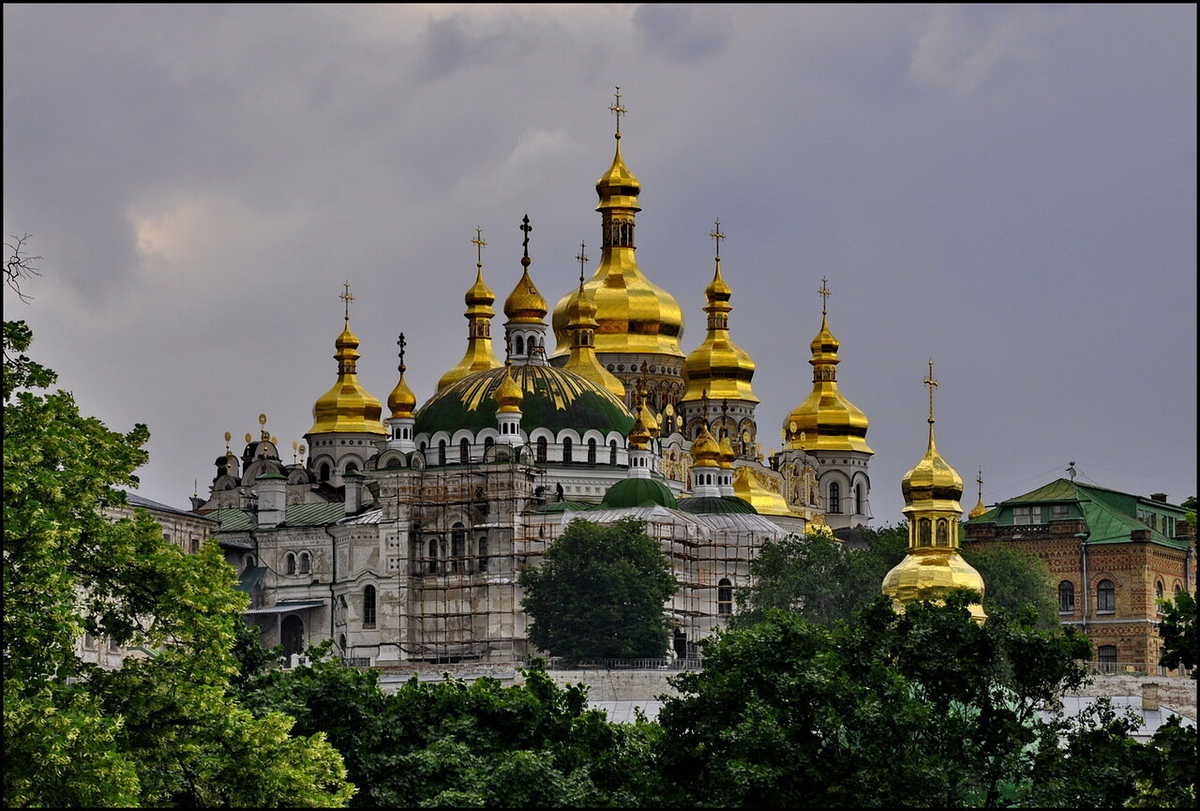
x,y
347,407
525,304
828,421
727,454
762,489
718,368
508,394
479,355
402,402
932,483
647,418
639,435
581,315
705,450
978,510
929,574
634,315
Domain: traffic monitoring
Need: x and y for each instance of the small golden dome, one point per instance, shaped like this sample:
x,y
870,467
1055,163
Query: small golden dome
x,y
618,187
402,401
726,457
718,368
639,435
705,450
347,407
508,394
828,421
759,486
932,483
525,304
479,355
581,314
480,295
978,509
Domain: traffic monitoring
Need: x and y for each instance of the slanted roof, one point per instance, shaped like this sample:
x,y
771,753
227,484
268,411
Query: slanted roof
x,y
314,515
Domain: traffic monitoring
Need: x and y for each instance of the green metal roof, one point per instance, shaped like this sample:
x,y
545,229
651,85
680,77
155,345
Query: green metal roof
x,y
638,493
231,519
314,515
565,506
717,504
554,398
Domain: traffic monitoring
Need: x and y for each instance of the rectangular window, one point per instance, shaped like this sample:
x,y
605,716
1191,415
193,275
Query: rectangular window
x,y
1027,515
1061,511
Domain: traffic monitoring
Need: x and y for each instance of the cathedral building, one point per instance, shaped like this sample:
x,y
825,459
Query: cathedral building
x,y
402,535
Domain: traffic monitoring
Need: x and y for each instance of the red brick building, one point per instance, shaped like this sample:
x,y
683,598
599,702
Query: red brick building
x,y
1113,555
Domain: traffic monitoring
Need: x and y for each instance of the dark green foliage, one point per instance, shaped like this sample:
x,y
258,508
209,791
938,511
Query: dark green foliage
x,y
925,708
1015,580
450,743
1181,645
599,593
821,579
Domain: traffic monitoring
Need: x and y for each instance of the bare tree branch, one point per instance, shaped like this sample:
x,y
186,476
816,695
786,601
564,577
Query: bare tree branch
x,y
20,266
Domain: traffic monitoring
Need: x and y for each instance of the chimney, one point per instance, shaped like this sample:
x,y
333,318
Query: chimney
x,y
1149,697
353,481
271,488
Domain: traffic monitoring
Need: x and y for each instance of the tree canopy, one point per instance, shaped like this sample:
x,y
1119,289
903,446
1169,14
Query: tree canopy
x,y
161,730
599,593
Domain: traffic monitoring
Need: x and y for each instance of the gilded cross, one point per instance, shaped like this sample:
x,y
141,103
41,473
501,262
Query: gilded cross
x,y
400,342
526,227
619,110
346,297
718,236
980,480
478,243
932,384
581,258
824,291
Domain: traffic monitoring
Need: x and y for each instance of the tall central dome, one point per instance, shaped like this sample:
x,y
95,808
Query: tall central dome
x,y
637,321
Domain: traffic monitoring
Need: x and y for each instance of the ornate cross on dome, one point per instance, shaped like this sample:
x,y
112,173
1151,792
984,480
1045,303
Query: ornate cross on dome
x,y
401,343
346,297
980,480
824,291
932,384
718,236
581,258
618,109
526,227
478,243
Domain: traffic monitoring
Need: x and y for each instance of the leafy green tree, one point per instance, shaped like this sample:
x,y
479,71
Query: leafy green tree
x,y
162,729
450,743
1181,643
819,577
599,593
1015,580
924,708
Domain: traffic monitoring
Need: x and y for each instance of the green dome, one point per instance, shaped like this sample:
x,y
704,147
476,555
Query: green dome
x,y
717,504
638,493
553,398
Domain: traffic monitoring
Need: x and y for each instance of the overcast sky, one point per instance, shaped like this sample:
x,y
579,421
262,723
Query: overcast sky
x,y
1008,190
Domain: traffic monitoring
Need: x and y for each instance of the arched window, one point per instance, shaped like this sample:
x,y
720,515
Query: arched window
x,y
464,450
483,554
441,451
1178,588
351,467
943,535
488,442
289,563
1106,596
566,443
923,530
835,498
519,345
1159,593
342,643
860,503
195,545
433,550
368,615
250,565
305,563
724,597
458,540
323,475
1066,597
591,451
612,452
541,449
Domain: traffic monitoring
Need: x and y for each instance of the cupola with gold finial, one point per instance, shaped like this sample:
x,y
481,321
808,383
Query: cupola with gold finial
x,y
718,365
634,316
581,321
525,330
509,396
979,508
402,404
828,421
479,355
347,407
933,566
